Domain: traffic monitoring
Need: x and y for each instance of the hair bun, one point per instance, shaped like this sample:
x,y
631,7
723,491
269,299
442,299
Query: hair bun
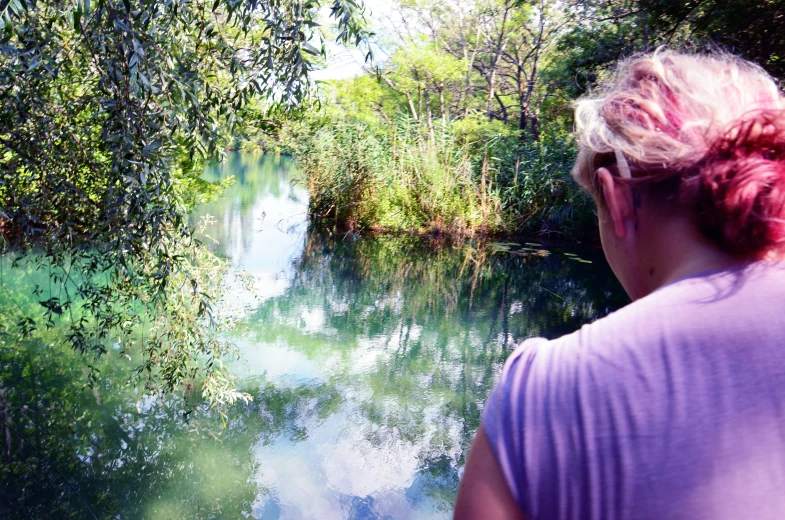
x,y
741,195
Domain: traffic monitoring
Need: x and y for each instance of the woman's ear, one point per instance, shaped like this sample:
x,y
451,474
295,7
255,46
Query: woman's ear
x,y
618,200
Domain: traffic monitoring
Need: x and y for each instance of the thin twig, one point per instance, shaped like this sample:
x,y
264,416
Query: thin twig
x,y
549,291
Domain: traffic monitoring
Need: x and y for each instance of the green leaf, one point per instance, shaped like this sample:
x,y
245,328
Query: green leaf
x,y
77,17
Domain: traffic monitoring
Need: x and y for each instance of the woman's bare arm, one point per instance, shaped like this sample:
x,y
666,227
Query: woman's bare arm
x,y
484,493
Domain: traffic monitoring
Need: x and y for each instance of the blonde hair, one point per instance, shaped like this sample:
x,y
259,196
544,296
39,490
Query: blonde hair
x,y
713,121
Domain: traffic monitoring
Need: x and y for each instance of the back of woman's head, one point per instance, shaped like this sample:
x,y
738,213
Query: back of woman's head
x,y
710,128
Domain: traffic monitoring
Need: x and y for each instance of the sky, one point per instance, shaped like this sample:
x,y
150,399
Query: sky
x,y
343,63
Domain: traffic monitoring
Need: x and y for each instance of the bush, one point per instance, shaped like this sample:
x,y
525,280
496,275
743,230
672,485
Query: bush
x,y
461,178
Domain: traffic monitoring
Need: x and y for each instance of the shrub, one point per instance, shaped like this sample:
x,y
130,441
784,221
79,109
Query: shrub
x,y
463,178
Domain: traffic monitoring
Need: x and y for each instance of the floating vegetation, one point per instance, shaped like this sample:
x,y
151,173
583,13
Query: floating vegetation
x,y
573,256
517,249
500,247
507,247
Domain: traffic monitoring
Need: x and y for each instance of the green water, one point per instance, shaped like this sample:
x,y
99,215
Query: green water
x,y
369,361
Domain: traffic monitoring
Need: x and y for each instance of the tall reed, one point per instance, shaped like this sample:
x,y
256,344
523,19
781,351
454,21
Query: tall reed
x,y
408,176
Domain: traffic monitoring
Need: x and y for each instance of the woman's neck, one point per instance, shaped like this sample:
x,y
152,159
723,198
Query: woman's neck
x,y
675,250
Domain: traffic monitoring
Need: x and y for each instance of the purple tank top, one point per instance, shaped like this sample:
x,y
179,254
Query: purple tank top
x,y
671,408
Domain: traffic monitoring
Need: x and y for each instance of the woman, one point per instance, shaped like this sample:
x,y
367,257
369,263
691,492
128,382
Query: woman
x,y
674,406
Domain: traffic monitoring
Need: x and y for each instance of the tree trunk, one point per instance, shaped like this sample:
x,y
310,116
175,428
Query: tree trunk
x,y
411,106
531,80
442,107
502,107
430,114
469,89
495,62
407,94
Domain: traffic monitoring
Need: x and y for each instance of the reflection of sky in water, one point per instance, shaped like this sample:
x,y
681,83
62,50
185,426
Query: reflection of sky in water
x,y
278,229
346,467
259,222
337,470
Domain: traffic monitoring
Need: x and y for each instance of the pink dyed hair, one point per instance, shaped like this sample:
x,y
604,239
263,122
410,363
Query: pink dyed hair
x,y
713,122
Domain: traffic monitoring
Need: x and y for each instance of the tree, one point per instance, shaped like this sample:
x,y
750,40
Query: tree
x,y
108,111
606,31
500,46
752,29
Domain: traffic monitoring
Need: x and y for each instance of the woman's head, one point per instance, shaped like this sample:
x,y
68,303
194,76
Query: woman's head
x,y
708,128
704,133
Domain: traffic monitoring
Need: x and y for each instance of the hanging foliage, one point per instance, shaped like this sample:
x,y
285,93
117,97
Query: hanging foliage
x,y
108,111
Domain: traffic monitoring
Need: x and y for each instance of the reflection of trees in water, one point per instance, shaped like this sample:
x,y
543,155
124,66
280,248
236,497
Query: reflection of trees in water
x,y
66,449
144,463
420,329
254,175
438,321
123,457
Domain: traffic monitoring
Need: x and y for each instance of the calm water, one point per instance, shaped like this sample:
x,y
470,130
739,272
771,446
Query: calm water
x,y
369,361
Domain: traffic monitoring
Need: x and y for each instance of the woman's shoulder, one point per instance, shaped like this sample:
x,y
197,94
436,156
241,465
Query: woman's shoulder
x,y
710,308
711,301
687,347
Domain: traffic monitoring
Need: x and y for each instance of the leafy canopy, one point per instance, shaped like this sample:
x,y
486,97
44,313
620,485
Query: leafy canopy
x,y
108,111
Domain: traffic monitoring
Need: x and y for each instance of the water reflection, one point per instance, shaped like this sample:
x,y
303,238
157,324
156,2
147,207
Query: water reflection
x,y
412,334
259,222
106,452
369,362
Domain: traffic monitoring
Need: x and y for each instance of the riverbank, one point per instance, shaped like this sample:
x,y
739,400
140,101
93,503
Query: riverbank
x,y
363,178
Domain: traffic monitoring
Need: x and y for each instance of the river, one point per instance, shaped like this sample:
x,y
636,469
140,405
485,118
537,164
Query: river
x,y
368,359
